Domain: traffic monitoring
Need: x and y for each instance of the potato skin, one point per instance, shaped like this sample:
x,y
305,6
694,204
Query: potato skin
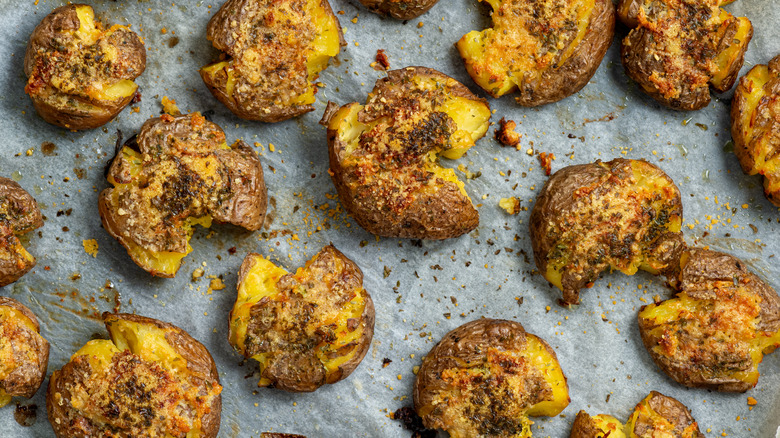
x,y
77,111
669,410
20,214
25,379
68,423
762,121
399,9
711,276
446,213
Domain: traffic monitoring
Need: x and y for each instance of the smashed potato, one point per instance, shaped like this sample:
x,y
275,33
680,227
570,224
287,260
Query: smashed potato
x,y
715,332
485,378
755,125
622,214
677,49
383,156
19,214
80,75
179,172
546,49
275,52
400,9
24,353
304,329
151,379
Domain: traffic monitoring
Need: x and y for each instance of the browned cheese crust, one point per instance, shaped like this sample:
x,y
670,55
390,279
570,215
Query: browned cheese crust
x,y
388,183
590,217
677,49
306,317
400,9
755,126
267,44
24,353
180,168
67,73
133,397
661,415
475,382
726,317
19,214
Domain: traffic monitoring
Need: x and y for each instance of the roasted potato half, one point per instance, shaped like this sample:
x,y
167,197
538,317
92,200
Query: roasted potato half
x,y
151,379
546,49
275,52
80,75
19,214
383,156
657,415
400,9
622,214
24,353
755,125
715,332
176,173
676,50
485,378
304,329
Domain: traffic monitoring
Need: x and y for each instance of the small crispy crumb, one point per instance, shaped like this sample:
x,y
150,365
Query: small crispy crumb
x,y
505,134
169,106
197,273
751,401
382,62
545,160
510,205
90,247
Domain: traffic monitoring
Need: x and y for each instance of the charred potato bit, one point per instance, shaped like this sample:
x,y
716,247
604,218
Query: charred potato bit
x,y
547,49
80,76
383,156
151,379
24,354
623,214
400,9
755,125
677,49
305,329
179,172
715,332
485,378
19,214
276,50
655,416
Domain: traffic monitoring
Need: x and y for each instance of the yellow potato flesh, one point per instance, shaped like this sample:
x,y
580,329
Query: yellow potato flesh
x,y
727,57
759,143
541,359
662,428
10,315
610,426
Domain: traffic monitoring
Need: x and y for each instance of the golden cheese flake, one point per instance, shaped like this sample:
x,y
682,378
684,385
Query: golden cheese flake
x,y
90,247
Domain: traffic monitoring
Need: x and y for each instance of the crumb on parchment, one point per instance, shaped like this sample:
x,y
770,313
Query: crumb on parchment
x,y
90,247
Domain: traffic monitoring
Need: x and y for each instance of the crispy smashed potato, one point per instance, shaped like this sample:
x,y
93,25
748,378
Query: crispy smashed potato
x,y
400,9
383,156
275,51
176,173
24,353
656,416
151,379
715,332
622,214
547,49
80,75
677,49
304,329
19,214
485,378
755,125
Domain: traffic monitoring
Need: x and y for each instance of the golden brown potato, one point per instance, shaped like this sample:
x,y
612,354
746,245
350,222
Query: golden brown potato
x,y
383,155
678,49
275,52
755,125
19,214
179,172
24,353
546,49
400,9
304,329
80,75
622,214
485,378
599,426
151,379
714,333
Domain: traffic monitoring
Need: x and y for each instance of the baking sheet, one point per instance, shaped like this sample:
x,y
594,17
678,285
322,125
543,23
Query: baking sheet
x,y
421,289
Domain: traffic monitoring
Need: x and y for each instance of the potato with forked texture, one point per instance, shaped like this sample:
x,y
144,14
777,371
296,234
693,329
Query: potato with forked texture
x,y
80,76
305,329
179,172
19,214
24,353
383,155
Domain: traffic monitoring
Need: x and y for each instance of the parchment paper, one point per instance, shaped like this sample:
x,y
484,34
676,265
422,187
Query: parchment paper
x,y
421,289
